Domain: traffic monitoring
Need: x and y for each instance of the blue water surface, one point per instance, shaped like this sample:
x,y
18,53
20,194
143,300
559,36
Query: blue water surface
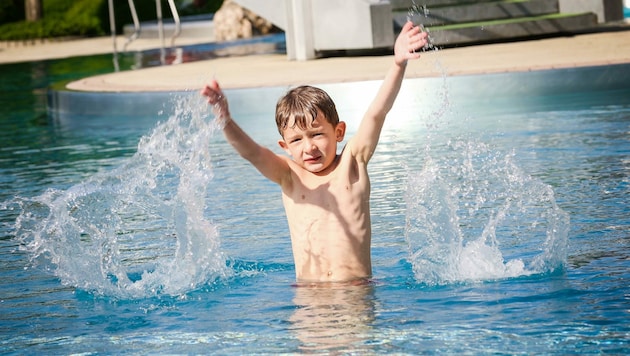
x,y
70,285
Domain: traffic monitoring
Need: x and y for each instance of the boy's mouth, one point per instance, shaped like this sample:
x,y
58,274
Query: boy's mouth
x,y
311,160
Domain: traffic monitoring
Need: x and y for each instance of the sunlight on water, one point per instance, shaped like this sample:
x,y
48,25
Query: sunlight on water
x,y
138,230
473,214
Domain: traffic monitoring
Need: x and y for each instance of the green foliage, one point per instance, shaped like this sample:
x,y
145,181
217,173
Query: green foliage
x,y
60,18
65,18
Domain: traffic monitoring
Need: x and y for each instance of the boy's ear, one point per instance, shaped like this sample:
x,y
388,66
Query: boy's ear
x,y
340,131
284,146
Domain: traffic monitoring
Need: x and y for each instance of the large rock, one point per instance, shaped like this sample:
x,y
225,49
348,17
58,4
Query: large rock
x,y
232,22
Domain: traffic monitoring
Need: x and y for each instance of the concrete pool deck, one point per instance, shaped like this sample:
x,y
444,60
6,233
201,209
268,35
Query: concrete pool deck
x,y
275,70
595,49
13,52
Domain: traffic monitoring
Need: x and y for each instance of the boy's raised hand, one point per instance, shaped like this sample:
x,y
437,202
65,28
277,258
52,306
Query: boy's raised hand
x,y
408,43
218,101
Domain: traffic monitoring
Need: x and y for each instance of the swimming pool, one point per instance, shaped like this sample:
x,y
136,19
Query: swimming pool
x,y
500,223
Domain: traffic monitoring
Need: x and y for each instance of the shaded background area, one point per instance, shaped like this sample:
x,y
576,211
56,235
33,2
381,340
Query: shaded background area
x,y
69,18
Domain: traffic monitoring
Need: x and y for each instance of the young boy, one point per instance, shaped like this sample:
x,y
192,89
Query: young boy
x,y
326,195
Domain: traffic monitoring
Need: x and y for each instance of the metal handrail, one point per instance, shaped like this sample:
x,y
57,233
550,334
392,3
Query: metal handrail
x,y
112,29
136,25
158,10
178,24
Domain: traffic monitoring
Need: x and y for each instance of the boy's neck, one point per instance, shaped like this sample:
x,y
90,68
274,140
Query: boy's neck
x,y
331,168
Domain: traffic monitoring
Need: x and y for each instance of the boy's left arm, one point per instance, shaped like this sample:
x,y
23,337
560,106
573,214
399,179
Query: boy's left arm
x,y
408,42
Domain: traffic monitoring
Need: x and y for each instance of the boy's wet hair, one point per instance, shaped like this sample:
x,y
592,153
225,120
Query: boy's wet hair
x,y
300,106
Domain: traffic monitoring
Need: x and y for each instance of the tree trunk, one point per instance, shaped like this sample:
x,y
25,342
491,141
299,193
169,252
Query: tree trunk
x,y
33,10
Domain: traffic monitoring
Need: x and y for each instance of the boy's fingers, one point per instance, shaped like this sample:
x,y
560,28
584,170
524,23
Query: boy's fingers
x,y
215,85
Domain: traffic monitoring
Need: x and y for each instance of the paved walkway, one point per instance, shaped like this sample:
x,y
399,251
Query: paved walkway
x,y
12,52
275,70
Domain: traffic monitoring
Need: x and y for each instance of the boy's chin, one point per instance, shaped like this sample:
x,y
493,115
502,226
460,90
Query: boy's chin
x,y
313,167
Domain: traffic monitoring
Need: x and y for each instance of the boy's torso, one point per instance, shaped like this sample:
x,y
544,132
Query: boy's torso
x,y
329,221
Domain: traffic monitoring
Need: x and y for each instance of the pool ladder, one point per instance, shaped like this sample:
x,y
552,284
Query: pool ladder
x,y
136,25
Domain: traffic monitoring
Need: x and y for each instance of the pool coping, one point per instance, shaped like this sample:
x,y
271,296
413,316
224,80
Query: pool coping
x,y
586,50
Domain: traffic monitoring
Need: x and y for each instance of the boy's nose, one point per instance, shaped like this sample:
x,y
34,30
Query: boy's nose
x,y
309,146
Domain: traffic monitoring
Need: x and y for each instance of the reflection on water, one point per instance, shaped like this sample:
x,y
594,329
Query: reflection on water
x,y
273,43
333,317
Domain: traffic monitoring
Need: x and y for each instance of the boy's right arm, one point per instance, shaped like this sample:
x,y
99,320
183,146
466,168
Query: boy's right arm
x,y
408,42
274,167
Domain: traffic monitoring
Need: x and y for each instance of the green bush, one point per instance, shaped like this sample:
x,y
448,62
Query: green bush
x,y
61,18
69,18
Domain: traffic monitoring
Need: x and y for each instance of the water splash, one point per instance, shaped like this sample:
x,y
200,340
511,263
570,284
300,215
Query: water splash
x,y
418,14
138,230
474,215
417,10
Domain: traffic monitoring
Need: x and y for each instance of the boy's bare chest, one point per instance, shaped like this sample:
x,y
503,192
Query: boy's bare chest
x,y
327,192
347,184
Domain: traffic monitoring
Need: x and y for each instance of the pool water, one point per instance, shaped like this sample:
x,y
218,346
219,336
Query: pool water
x,y
500,222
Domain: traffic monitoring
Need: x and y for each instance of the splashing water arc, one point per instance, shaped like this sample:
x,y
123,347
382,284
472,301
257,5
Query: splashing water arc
x,y
474,215
137,230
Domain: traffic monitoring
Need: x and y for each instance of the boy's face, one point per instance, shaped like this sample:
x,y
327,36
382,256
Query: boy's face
x,y
314,148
